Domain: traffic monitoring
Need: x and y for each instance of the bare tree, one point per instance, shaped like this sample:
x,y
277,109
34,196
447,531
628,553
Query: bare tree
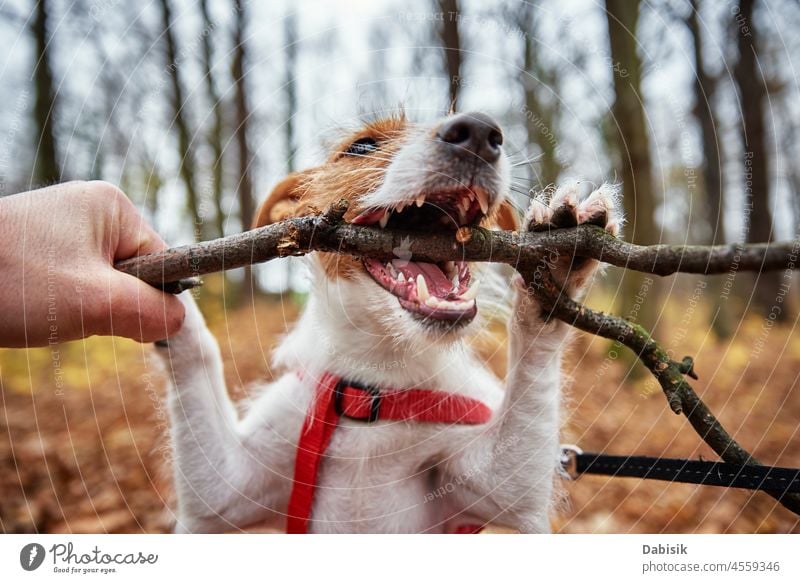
x,y
752,88
705,88
46,167
215,133
450,37
290,41
242,114
180,121
633,147
289,86
540,115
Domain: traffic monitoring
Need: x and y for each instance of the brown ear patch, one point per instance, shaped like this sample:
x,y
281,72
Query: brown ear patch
x,y
283,202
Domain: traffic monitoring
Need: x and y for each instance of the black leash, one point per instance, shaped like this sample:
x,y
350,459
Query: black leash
x,y
777,481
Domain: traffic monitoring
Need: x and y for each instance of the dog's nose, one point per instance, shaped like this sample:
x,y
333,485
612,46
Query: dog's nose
x,y
473,132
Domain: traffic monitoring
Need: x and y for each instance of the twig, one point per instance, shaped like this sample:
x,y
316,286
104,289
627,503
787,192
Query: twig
x,y
669,373
329,233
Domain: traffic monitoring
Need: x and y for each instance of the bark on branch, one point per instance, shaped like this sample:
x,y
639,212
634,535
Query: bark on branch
x,y
177,269
328,232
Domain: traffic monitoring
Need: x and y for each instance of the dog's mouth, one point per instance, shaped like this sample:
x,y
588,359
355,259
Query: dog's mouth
x,y
433,291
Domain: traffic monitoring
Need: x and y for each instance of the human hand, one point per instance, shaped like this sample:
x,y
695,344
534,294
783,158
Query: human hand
x,y
57,276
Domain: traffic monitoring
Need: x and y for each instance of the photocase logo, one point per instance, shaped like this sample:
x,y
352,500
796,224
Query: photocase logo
x,y
403,251
31,556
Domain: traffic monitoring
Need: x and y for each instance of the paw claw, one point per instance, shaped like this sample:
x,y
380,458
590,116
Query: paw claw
x,y
612,227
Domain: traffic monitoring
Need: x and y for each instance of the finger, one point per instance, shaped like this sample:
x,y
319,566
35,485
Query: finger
x,y
136,237
139,311
132,236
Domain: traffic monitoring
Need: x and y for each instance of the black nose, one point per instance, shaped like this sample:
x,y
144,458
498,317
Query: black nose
x,y
474,132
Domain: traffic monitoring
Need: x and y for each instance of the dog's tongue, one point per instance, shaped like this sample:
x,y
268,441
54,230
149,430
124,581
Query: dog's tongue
x,y
438,284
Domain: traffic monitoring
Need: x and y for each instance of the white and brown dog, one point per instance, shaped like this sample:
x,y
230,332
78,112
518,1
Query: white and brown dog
x,y
440,444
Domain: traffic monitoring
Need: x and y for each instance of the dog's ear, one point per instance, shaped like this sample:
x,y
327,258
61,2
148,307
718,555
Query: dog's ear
x,y
283,202
507,217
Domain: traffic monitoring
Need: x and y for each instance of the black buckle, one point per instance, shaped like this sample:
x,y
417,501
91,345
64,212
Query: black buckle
x,y
375,405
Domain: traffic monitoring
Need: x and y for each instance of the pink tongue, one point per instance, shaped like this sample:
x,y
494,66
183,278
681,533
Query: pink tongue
x,y
438,284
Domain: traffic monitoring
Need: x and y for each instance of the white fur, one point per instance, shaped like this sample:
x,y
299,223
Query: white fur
x,y
233,472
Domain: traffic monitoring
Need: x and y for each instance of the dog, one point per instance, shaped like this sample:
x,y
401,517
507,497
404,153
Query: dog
x,y
295,459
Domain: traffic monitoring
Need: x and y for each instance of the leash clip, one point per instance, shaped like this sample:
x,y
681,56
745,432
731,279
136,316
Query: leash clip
x,y
569,461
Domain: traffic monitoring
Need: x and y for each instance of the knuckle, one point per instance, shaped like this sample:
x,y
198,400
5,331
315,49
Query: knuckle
x,y
105,190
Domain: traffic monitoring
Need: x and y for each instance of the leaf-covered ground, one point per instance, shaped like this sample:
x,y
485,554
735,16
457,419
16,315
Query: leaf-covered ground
x,y
82,427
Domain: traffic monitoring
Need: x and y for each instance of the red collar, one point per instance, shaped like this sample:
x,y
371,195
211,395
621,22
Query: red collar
x,y
337,398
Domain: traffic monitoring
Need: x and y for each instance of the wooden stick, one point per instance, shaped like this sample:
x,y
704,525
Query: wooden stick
x,y
330,233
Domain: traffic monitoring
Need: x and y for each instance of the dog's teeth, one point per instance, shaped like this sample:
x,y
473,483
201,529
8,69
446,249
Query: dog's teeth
x,y
392,271
457,304
483,200
402,277
400,206
422,288
472,292
420,200
466,203
456,282
384,220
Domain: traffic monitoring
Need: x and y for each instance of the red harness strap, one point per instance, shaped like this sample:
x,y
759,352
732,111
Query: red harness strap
x,y
337,398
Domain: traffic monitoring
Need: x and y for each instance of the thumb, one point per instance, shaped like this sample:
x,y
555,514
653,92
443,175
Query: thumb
x,y
135,309
128,232
139,311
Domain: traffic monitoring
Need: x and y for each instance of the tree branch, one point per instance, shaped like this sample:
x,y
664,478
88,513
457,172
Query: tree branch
x,y
328,232
176,269
669,373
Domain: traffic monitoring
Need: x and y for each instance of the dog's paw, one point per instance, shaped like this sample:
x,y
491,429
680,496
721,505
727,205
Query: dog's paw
x,y
564,209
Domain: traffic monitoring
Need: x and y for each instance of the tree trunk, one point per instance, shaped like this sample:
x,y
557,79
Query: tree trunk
x,y
290,88
752,93
290,91
634,155
185,150
245,190
705,86
214,137
450,37
540,118
46,167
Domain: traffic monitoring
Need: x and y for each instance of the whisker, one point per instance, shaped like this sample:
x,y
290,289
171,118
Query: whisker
x,y
526,161
522,149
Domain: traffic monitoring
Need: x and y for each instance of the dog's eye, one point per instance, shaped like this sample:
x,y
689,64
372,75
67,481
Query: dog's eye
x,y
362,147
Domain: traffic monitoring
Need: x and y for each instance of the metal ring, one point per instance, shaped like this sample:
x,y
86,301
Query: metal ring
x,y
569,461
